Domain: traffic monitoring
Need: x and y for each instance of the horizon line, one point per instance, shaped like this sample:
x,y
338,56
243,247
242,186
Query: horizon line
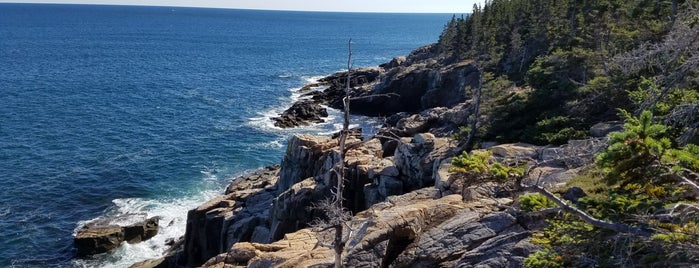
x,y
233,8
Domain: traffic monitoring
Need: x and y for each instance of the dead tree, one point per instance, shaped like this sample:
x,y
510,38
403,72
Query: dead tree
x,y
338,243
675,58
336,216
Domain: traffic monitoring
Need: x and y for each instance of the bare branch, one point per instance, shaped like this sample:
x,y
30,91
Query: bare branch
x,y
617,227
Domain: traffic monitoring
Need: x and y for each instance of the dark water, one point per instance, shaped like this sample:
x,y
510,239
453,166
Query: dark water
x,y
108,110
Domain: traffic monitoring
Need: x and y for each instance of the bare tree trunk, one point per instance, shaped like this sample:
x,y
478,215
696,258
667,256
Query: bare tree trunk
x,y
338,241
476,111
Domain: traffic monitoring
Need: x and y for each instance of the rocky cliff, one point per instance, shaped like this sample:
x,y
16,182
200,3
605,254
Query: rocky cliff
x,y
408,210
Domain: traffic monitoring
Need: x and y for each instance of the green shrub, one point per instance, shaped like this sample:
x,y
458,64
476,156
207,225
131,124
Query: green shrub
x,y
534,202
543,259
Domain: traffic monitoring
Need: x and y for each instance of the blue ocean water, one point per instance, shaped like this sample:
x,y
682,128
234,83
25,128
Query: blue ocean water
x,y
113,110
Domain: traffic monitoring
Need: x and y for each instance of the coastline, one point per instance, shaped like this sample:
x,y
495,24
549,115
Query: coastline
x,y
148,119
398,176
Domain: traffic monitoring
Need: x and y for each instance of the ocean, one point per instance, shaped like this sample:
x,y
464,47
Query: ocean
x,y
108,111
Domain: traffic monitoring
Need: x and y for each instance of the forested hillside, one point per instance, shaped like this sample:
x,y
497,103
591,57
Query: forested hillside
x,y
552,69
555,67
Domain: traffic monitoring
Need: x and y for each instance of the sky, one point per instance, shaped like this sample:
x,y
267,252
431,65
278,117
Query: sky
x,y
412,6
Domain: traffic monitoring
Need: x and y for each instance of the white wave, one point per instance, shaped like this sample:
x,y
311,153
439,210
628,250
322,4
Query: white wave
x,y
313,79
173,222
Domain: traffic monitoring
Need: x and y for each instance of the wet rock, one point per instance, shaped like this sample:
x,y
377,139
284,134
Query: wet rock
x,y
301,113
97,238
312,85
92,240
142,231
154,263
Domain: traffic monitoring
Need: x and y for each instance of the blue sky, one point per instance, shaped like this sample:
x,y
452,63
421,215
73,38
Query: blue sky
x,y
426,6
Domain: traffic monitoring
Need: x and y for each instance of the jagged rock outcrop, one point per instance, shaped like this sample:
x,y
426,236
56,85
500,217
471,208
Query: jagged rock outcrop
x,y
413,88
294,208
415,159
400,219
95,240
277,202
239,215
413,230
473,239
301,113
141,231
264,206
298,249
98,238
406,84
302,158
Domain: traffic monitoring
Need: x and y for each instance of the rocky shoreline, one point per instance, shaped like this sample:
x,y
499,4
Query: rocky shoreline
x,y
407,209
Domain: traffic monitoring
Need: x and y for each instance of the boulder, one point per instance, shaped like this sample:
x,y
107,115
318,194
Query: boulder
x,y
360,161
385,167
298,249
443,179
98,237
516,150
141,231
355,132
92,240
388,228
415,124
301,113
